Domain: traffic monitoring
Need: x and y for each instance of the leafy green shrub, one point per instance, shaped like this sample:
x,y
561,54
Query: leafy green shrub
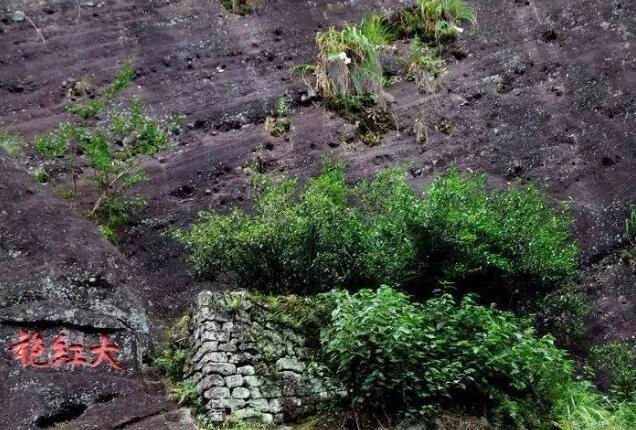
x,y
122,80
139,133
327,234
394,354
56,144
390,351
301,241
89,110
514,232
563,312
11,144
114,211
616,362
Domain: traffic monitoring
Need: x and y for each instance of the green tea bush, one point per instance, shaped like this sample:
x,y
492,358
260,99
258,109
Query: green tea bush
x,y
300,242
395,354
514,232
328,234
388,349
563,312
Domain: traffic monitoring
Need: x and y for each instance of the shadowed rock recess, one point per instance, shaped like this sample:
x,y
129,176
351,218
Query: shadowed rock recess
x,y
245,364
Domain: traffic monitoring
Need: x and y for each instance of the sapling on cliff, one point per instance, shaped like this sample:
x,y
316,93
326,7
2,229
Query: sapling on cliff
x,y
114,141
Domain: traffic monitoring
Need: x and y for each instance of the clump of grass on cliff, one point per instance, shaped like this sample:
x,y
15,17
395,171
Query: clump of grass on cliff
x,y
628,254
348,74
240,7
348,71
11,144
437,20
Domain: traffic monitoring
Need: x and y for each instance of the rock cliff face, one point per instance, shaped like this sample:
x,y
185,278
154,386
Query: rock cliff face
x,y
246,364
545,92
64,289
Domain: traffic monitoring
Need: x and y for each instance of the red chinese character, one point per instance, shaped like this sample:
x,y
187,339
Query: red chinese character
x,y
28,349
76,355
60,350
102,352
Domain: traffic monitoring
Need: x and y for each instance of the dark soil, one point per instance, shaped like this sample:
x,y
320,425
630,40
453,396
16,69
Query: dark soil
x,y
546,92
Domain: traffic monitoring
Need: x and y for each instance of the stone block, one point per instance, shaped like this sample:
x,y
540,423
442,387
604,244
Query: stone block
x,y
261,405
253,381
241,393
212,381
276,405
245,370
224,369
290,364
210,335
216,416
219,404
216,357
230,346
245,413
236,403
255,393
233,381
217,393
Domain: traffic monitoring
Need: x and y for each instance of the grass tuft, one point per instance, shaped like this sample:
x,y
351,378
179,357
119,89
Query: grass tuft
x,y
11,144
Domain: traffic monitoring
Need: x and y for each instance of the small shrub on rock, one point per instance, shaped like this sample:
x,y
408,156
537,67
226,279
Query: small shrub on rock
x,y
113,138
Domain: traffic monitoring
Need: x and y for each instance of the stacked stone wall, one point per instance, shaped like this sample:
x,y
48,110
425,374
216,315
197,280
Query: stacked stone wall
x,y
246,364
